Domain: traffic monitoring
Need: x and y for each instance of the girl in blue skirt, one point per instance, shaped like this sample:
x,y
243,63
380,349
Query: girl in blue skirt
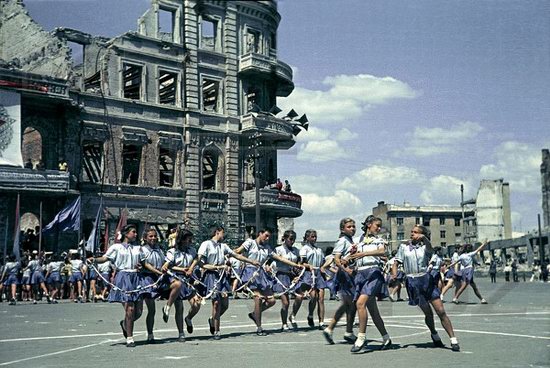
x,y
10,278
421,286
126,258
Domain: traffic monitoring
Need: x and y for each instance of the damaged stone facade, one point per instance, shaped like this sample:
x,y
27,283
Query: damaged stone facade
x,y
164,121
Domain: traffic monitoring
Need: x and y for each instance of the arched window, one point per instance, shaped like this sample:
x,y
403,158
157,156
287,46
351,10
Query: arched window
x,y
213,173
31,148
30,228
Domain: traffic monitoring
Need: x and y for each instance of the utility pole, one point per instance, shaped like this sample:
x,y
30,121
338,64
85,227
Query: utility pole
x,y
541,246
462,207
256,144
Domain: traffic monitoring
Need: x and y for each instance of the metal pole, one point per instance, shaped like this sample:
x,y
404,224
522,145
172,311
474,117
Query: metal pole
x,y
462,207
6,238
40,232
541,246
257,187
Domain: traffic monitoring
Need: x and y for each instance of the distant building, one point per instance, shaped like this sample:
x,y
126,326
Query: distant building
x,y
492,218
444,222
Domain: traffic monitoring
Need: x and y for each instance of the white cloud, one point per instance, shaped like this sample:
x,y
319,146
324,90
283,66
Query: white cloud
x,y
518,164
433,141
313,134
304,184
381,175
445,189
341,202
345,134
347,97
321,151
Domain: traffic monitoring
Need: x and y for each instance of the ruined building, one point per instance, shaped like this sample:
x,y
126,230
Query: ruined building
x,y
170,122
545,182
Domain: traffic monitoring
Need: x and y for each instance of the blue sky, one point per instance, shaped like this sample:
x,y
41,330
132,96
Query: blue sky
x,y
407,100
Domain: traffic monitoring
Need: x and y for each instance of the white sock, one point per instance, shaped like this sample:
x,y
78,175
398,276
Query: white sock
x,y
168,307
360,338
129,339
182,334
386,337
454,340
328,330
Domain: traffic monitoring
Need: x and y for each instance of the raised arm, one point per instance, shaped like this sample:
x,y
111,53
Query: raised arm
x,y
480,248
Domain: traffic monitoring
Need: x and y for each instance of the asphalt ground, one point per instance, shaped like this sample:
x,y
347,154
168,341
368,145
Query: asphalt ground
x,y
513,330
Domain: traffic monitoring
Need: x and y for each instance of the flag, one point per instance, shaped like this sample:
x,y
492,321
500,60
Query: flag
x,y
122,221
92,239
106,239
67,219
16,235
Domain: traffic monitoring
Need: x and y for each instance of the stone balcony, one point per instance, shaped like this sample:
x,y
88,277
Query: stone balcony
x,y
282,204
277,132
261,66
27,180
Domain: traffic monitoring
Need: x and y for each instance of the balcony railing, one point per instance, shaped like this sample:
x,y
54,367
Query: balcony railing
x,y
282,204
277,131
33,180
259,65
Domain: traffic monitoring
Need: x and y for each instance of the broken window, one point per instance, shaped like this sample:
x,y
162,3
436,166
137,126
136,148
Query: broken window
x,y
273,40
208,33
92,83
167,87
31,148
252,41
77,52
213,168
211,95
131,158
166,24
92,161
252,99
132,78
167,160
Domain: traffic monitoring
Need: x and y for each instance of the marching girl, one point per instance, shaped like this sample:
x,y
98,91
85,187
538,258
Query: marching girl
x,y
466,260
329,269
435,265
106,271
453,275
181,260
37,279
211,256
344,281
26,279
394,284
126,259
259,279
313,258
285,275
53,277
10,278
78,268
152,259
420,283
369,281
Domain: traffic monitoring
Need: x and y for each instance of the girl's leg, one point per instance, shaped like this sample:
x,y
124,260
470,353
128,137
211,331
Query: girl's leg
x,y
321,308
361,306
372,307
284,309
476,291
179,317
460,290
297,303
428,317
445,321
129,309
150,320
195,306
449,285
314,298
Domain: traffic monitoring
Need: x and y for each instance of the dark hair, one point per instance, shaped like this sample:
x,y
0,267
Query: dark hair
x,y
328,251
289,233
308,233
214,229
182,235
369,220
126,229
424,230
263,230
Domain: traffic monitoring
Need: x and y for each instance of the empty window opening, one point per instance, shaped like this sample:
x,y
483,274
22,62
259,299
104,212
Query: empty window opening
x,y
167,160
167,88
166,24
92,83
131,158
273,40
210,95
426,221
31,148
400,236
457,222
208,33
77,52
441,221
252,100
209,170
399,221
417,220
442,234
252,41
132,76
92,162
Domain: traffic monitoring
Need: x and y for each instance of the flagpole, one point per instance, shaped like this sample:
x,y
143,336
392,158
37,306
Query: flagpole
x,y
40,233
6,238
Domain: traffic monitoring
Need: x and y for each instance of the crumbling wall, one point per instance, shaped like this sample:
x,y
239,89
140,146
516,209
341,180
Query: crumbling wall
x,y
24,44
